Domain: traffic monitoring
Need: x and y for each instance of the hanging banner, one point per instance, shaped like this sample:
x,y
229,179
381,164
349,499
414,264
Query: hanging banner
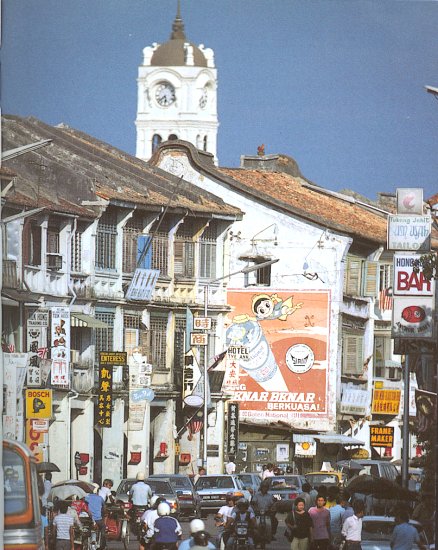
x,y
233,429
60,347
105,392
36,342
191,377
14,372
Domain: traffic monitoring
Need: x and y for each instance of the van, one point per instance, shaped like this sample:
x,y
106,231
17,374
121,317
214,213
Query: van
x,y
22,515
379,468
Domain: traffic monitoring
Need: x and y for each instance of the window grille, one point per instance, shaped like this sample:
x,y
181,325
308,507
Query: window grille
x,y
158,340
179,351
131,231
106,243
76,251
134,335
207,256
104,337
52,240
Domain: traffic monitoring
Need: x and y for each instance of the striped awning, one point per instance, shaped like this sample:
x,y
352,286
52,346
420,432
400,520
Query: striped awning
x,y
86,321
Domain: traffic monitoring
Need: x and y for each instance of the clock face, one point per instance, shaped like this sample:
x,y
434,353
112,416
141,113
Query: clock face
x,y
203,99
165,94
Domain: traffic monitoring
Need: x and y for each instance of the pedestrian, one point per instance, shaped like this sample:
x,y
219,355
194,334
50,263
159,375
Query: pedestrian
x,y
230,467
196,526
265,502
345,503
105,490
336,513
47,487
352,527
201,472
332,496
63,524
269,472
405,536
320,524
305,495
96,507
299,526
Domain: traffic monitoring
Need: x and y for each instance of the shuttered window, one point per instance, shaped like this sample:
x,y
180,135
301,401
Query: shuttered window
x,y
184,252
361,277
352,281
370,281
352,354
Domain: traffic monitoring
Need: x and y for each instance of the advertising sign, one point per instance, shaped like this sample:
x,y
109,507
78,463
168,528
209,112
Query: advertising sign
x,y
355,401
105,396
233,428
36,441
386,401
412,317
382,436
60,347
409,232
278,343
202,323
38,403
406,281
409,200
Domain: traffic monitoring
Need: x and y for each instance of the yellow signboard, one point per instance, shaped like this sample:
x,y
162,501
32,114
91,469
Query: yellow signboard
x,y
113,358
38,403
386,402
382,436
177,448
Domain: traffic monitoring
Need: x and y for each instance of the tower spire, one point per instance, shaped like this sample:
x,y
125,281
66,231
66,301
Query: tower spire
x,y
178,25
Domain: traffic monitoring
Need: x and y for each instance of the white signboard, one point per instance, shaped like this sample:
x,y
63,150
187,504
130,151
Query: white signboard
x,y
143,283
412,317
409,232
202,323
355,401
406,281
60,347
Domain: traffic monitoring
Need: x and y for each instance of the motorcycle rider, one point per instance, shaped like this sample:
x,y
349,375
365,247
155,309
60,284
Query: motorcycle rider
x,y
221,517
147,521
96,506
196,526
265,502
241,514
167,530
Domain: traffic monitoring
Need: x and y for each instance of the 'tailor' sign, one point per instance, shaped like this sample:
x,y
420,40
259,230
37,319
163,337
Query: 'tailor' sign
x,y
406,281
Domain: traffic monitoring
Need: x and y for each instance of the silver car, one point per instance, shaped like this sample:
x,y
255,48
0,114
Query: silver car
x,y
159,487
377,532
213,490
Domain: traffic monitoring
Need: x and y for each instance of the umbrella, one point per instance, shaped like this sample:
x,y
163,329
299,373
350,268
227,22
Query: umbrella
x,y
350,465
63,492
379,487
84,485
47,467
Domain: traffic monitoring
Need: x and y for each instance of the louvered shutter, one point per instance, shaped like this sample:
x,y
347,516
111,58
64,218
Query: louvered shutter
x,y
189,259
352,276
370,279
352,354
178,248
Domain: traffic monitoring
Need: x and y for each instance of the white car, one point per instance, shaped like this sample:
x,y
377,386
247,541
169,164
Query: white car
x,y
213,490
377,532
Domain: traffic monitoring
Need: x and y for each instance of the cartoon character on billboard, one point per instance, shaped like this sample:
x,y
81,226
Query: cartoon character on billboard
x,y
247,342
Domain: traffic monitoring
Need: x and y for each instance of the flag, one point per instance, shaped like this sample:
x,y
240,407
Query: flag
x,y
196,422
385,300
217,360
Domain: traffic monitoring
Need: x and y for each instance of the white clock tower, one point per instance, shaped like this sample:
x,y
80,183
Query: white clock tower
x,y
177,91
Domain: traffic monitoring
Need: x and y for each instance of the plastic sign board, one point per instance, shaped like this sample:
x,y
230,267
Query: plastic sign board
x,y
406,281
409,232
382,436
410,201
412,317
386,401
38,404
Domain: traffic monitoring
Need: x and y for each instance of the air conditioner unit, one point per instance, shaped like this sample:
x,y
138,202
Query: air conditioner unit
x,y
54,261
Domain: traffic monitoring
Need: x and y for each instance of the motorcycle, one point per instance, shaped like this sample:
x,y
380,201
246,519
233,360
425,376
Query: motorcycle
x,y
263,533
241,535
136,512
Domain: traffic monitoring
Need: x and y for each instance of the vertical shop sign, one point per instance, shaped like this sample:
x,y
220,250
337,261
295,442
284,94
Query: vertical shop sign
x,y
107,360
36,341
233,428
60,347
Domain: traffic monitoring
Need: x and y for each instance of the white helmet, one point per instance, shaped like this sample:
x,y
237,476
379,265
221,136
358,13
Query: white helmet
x,y
95,487
140,476
197,525
163,509
154,499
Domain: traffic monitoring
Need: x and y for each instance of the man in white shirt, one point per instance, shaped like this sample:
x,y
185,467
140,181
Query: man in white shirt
x,y
269,472
230,467
140,493
352,527
105,490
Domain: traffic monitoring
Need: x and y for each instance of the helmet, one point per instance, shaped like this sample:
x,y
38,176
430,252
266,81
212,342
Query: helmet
x,y
201,538
140,476
196,525
154,499
242,504
163,509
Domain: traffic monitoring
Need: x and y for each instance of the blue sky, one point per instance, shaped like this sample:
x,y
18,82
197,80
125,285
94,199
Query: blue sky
x,y
337,85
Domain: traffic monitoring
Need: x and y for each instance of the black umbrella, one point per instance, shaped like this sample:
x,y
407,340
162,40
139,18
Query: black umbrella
x,y
47,467
378,487
350,465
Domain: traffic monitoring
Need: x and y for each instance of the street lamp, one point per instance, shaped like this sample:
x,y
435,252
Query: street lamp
x,y
247,269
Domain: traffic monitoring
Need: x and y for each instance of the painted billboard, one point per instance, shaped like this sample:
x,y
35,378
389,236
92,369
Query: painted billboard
x,y
277,360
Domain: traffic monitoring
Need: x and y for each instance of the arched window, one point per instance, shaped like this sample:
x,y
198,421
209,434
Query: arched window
x,y
156,140
205,143
172,137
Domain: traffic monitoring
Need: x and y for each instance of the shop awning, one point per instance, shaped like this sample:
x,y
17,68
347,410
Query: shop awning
x,y
86,321
337,439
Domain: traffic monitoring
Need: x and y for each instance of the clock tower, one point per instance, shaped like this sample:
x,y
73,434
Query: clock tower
x,y
177,90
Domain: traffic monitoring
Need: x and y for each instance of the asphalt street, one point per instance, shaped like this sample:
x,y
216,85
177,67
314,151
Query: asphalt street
x,y
280,544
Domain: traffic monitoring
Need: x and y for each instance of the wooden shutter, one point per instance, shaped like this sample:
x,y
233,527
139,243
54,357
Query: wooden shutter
x,y
370,280
353,276
352,354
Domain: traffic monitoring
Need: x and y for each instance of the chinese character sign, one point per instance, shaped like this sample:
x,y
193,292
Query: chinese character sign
x,y
36,341
105,396
233,428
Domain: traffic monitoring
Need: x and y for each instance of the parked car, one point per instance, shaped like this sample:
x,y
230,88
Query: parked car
x,y
188,499
213,489
377,532
251,481
379,468
286,488
315,479
159,487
